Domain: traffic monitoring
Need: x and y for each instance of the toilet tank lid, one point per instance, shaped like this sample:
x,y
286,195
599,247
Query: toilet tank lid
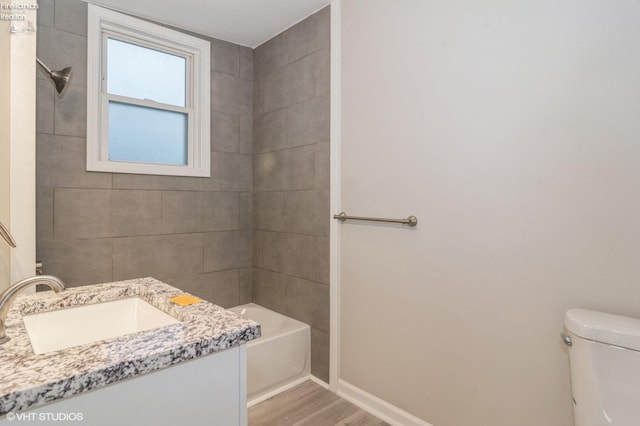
x,y
605,328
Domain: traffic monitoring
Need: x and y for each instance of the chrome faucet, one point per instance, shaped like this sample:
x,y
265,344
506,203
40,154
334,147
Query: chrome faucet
x,y
7,296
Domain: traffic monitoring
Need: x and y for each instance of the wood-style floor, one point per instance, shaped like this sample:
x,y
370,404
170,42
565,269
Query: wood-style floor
x,y
311,405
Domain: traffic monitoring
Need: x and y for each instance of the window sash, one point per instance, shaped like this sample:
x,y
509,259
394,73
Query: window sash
x,y
104,24
106,97
104,147
189,71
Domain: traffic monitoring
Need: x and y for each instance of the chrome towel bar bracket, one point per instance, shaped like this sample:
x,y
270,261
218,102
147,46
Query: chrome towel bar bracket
x,y
410,221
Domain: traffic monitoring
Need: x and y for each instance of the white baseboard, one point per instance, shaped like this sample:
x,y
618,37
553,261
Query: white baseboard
x,y
378,407
319,382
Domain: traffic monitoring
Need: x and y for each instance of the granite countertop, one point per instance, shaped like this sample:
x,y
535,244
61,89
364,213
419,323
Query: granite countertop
x,y
28,380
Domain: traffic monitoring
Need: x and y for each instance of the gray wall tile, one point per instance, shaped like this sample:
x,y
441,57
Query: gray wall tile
x,y
227,250
299,167
308,122
78,262
245,249
314,33
231,94
320,354
268,174
322,71
44,218
69,50
162,256
81,213
245,210
322,253
43,159
298,255
294,83
67,163
269,290
136,212
271,55
225,132
60,49
246,63
187,211
245,279
308,302
44,49
71,112
246,134
71,16
150,182
269,250
220,288
258,96
306,257
322,178
305,123
46,13
44,106
225,57
271,131
270,211
307,212
289,169
230,172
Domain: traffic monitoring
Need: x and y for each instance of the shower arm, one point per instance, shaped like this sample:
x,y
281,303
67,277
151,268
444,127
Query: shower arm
x,y
46,68
6,235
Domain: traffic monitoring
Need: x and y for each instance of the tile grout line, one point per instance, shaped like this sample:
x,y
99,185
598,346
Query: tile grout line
x,y
290,276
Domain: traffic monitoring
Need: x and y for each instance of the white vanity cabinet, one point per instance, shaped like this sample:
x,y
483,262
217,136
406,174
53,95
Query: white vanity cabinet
x,y
210,390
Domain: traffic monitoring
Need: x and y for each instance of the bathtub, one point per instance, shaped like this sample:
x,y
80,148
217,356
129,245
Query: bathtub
x,y
278,360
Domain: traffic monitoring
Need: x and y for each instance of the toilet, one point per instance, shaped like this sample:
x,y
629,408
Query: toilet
x,y
604,356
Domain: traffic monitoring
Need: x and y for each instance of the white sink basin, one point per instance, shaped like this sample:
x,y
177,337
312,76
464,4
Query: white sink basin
x,y
64,328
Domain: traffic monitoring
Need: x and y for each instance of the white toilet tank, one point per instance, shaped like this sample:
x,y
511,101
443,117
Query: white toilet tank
x,y
605,368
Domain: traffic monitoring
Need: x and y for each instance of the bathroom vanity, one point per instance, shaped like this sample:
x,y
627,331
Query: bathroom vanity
x,y
191,371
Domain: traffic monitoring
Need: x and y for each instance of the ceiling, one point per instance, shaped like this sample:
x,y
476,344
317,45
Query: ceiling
x,y
246,22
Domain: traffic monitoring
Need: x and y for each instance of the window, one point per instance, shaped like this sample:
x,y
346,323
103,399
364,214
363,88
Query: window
x,y
148,98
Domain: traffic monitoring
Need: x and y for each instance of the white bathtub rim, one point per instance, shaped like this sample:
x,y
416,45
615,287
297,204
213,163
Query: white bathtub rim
x,y
295,326
298,323
261,340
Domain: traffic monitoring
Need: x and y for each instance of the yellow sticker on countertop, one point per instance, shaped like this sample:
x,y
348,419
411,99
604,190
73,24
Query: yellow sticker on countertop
x,y
185,300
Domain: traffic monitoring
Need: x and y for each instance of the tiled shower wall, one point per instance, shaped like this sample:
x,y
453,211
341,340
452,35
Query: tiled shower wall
x,y
194,233
198,233
291,179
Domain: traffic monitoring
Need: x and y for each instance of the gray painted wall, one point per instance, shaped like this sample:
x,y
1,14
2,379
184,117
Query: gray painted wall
x,y
291,179
194,233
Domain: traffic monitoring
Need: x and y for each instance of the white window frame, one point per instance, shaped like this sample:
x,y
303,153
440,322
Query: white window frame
x,y
105,23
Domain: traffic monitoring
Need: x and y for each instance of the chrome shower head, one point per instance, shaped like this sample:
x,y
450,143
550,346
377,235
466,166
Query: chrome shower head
x,y
60,78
